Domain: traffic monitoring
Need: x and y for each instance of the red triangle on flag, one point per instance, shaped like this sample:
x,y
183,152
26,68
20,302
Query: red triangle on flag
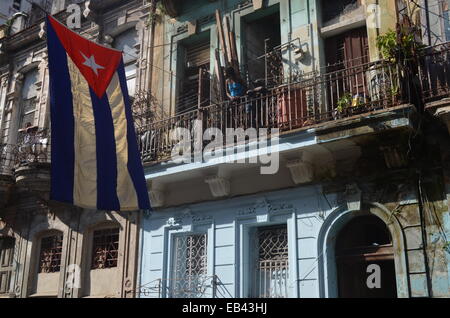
x,y
96,63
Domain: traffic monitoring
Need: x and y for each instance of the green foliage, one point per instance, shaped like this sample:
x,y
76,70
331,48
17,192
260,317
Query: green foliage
x,y
344,102
387,45
394,48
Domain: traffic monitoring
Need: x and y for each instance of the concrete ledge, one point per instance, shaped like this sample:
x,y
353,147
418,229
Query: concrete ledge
x,y
345,22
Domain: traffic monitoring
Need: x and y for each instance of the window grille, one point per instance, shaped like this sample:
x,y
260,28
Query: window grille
x,y
50,256
189,267
272,266
105,248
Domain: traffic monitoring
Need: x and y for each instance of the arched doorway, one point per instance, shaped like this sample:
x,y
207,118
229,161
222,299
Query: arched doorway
x,y
363,241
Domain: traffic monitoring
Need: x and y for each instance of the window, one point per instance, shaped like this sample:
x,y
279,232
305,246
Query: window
x,y
105,248
6,263
29,93
126,42
16,5
189,266
195,53
262,38
271,262
50,256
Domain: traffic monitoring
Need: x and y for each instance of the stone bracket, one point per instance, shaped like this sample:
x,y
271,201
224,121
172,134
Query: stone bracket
x,y
301,171
219,187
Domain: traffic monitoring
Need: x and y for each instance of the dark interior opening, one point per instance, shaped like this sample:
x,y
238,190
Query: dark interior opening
x,y
363,241
332,9
195,56
262,32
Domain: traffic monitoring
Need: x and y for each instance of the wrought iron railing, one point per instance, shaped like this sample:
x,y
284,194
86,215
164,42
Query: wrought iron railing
x,y
33,146
313,99
435,72
207,287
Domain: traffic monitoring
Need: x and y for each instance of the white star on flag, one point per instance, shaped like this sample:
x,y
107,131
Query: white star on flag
x,y
90,62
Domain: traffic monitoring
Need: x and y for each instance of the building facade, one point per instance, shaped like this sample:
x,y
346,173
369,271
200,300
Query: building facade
x,y
353,191
49,249
346,176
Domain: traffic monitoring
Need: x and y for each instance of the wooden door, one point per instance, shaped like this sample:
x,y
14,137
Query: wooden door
x,y
346,54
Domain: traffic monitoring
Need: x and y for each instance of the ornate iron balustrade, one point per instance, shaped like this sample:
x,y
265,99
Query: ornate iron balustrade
x,y
33,146
435,72
312,99
6,159
207,287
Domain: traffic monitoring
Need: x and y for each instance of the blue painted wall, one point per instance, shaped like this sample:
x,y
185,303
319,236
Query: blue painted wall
x,y
228,224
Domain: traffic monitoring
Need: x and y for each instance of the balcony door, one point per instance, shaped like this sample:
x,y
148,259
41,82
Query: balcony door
x,y
345,54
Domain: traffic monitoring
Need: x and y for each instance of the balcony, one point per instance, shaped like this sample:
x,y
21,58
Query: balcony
x,y
32,160
435,75
6,172
311,100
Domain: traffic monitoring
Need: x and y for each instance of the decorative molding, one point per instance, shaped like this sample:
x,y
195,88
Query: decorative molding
x,y
353,196
257,4
108,40
87,11
219,187
175,221
301,171
263,210
156,198
42,31
201,218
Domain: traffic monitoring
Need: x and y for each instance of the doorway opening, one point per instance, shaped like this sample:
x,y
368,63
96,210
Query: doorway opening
x,y
364,241
194,76
262,35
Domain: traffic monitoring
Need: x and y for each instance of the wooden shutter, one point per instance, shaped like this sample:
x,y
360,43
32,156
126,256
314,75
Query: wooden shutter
x,y
6,263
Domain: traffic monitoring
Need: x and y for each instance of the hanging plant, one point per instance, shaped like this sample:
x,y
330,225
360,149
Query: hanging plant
x,y
344,102
397,47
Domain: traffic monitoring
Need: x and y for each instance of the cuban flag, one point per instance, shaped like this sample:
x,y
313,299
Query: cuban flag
x,y
95,158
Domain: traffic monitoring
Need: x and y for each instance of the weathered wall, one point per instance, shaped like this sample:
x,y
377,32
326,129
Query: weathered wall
x,y
313,215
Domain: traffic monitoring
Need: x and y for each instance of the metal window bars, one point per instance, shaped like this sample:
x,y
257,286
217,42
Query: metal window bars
x,y
105,248
50,256
189,266
272,264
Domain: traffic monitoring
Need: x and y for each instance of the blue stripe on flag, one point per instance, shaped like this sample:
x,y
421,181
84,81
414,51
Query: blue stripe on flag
x,y
62,120
106,154
134,159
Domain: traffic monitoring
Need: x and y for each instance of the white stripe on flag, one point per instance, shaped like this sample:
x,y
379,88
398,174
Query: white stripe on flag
x,y
125,187
85,170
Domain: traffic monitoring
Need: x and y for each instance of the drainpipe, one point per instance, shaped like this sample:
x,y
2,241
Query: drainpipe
x,y
427,17
424,233
150,53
